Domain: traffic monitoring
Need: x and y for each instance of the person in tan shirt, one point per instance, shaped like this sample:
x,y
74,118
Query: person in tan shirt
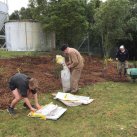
x,y
75,64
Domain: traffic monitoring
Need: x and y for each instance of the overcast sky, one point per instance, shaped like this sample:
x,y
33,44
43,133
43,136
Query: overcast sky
x,y
17,4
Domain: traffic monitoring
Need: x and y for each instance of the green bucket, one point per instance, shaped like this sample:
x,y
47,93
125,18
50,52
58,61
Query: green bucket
x,y
132,72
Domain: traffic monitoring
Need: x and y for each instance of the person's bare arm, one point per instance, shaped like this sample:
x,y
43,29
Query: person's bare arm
x,y
36,101
26,100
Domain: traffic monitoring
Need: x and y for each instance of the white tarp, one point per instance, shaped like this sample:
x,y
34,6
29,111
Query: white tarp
x,y
72,100
51,111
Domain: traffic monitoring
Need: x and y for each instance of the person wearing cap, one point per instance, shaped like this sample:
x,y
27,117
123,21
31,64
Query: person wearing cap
x,y
22,87
122,56
75,64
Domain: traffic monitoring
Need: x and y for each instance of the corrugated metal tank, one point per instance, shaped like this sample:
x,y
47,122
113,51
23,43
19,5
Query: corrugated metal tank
x,y
28,36
3,14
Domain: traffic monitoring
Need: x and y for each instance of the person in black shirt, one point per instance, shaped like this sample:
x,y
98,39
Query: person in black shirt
x,y
22,86
122,56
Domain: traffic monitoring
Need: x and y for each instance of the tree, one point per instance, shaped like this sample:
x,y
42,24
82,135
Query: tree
x,y
14,15
131,29
93,41
23,13
111,20
66,17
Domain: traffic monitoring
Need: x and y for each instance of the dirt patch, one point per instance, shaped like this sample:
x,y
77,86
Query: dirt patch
x,y
47,72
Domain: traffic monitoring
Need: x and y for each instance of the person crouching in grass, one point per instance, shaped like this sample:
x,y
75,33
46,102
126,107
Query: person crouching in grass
x,y
21,87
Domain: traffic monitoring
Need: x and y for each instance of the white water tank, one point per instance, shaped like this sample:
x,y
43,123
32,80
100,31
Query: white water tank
x,y
3,14
28,36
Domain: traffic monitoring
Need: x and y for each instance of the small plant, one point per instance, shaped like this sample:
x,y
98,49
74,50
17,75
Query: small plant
x,y
57,70
18,70
1,70
135,64
106,61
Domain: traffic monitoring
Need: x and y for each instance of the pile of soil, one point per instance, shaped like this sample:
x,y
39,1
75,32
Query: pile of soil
x,y
47,72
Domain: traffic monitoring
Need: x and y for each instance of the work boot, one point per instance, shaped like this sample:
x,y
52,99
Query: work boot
x,y
11,110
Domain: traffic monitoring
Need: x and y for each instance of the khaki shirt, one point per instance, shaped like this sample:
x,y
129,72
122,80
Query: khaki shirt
x,y
75,59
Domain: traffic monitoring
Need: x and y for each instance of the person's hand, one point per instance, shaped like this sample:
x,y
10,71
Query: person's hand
x,y
33,109
67,63
116,59
38,106
69,66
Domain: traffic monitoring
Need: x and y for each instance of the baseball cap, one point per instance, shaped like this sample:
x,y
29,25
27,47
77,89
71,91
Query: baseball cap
x,y
122,47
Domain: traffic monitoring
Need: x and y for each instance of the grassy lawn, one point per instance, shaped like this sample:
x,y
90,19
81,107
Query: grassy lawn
x,y
11,54
113,113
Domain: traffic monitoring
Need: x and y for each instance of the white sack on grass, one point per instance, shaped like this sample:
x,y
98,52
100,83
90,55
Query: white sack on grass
x,y
65,79
51,111
65,73
72,100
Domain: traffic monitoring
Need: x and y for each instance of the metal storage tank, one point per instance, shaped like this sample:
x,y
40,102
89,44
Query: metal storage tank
x,y
28,36
3,14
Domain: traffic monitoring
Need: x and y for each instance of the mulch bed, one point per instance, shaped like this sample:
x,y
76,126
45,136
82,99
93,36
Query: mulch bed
x,y
47,72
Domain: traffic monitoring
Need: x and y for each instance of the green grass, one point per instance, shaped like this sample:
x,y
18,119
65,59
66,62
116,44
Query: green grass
x,y
113,113
12,54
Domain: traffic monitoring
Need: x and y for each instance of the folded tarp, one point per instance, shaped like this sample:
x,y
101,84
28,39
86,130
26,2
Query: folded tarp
x,y
50,111
72,100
